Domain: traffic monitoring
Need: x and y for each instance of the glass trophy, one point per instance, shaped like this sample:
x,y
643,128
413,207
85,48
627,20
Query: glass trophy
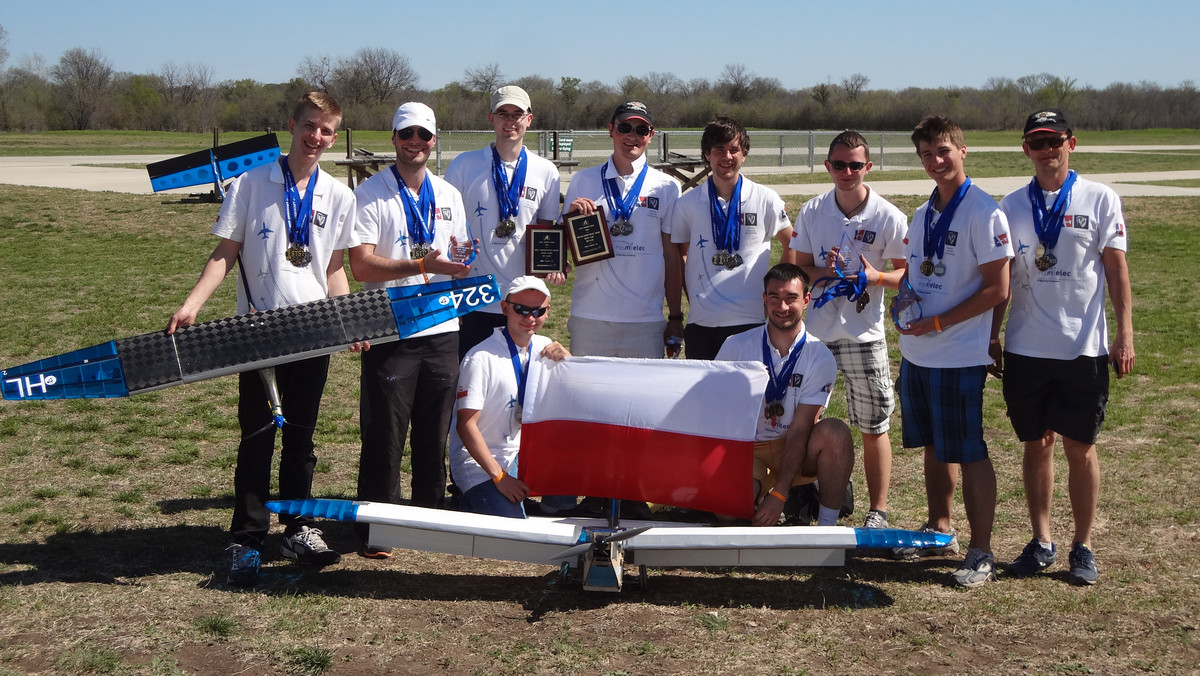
x,y
906,306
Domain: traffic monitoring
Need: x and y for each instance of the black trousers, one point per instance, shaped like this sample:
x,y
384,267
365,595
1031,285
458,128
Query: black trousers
x,y
704,342
475,328
410,382
301,385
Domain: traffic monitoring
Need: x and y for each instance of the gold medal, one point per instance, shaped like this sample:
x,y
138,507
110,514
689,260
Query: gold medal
x,y
297,255
927,267
861,303
419,252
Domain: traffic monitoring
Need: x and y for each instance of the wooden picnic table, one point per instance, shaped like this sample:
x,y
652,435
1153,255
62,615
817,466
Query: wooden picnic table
x,y
689,170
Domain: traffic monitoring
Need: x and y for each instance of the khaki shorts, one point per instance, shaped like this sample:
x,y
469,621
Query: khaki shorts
x,y
768,456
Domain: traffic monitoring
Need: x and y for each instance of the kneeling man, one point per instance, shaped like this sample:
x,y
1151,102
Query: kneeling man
x,y
793,445
486,433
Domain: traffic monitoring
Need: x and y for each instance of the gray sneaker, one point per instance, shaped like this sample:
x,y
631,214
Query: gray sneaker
x,y
306,546
909,553
1033,559
1083,565
875,519
978,568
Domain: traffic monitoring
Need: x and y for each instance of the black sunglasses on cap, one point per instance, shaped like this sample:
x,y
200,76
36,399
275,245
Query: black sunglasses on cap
x,y
525,310
1043,142
405,134
625,128
839,165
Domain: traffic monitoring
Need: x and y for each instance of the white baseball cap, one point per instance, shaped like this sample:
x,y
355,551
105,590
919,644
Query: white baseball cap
x,y
525,283
414,114
510,95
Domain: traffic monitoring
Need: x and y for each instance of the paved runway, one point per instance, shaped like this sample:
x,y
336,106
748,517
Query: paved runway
x,y
72,172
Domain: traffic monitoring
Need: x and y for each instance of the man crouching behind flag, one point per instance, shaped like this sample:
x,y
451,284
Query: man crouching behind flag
x,y
793,445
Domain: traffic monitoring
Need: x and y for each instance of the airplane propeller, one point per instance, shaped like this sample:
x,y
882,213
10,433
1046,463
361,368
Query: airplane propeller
x,y
600,541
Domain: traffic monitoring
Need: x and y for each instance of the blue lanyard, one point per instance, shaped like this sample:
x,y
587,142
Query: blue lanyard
x,y
1048,223
777,385
299,210
726,224
419,214
935,237
842,286
624,209
521,372
508,196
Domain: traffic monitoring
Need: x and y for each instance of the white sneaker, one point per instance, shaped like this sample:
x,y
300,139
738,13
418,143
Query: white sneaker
x,y
306,546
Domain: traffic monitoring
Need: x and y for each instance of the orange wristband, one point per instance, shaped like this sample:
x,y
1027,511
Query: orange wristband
x,y
937,323
421,265
777,494
879,282
499,477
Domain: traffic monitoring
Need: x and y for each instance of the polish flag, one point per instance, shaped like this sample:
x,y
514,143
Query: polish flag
x,y
675,432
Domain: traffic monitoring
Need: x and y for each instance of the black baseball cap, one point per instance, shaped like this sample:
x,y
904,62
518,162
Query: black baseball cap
x,y
632,110
1047,120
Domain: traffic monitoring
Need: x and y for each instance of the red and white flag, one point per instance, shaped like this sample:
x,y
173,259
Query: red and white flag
x,y
676,432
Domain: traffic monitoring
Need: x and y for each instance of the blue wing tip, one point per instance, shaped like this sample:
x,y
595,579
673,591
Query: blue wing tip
x,y
321,508
889,538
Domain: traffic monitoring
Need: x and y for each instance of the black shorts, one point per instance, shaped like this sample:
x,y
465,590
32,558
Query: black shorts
x,y
1066,396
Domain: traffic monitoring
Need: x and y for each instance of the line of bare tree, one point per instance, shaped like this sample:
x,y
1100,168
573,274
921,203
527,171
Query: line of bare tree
x,y
82,90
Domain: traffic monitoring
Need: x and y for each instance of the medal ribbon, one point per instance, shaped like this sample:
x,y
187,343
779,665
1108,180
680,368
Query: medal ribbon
x,y
935,236
777,385
419,214
1048,223
850,288
298,211
612,192
508,196
521,372
726,228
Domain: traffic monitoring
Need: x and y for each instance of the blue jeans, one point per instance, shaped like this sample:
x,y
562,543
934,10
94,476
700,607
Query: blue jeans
x,y
485,498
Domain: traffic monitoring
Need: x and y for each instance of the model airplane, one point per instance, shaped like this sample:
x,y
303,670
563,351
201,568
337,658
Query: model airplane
x,y
214,166
257,340
656,430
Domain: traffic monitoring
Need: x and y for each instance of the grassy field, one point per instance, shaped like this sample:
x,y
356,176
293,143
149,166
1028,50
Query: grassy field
x,y
113,515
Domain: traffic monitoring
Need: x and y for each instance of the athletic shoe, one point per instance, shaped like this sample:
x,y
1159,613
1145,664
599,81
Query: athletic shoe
x,y
243,565
909,553
375,552
976,569
1083,565
875,519
306,546
1033,559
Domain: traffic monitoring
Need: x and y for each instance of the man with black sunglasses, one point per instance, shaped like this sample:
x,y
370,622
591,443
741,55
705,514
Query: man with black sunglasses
x,y
1070,241
847,230
723,231
491,390
617,304
506,188
408,219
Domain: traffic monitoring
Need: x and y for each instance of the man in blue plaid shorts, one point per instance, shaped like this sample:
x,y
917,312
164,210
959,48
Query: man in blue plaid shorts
x,y
847,229
958,254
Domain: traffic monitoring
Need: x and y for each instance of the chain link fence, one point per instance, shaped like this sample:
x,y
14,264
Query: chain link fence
x,y
770,151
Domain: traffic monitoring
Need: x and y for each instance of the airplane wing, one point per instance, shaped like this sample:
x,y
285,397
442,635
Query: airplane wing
x,y
214,165
542,540
152,361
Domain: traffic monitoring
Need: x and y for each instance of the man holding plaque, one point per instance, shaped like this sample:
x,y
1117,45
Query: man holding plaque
x,y
506,189
958,264
793,445
723,230
486,433
286,225
617,303
408,219
846,238
1071,243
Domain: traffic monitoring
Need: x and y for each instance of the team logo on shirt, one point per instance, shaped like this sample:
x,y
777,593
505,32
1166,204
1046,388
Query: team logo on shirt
x,y
783,215
531,194
750,220
462,392
1080,222
952,238
797,379
1001,239
444,213
319,218
828,388
865,236
1120,229
648,202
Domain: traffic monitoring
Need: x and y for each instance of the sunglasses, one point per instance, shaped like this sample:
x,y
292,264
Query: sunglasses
x,y
405,134
1043,142
641,129
839,165
526,311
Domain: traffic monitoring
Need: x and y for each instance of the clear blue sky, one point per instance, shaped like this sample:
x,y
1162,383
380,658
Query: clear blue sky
x,y
895,43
